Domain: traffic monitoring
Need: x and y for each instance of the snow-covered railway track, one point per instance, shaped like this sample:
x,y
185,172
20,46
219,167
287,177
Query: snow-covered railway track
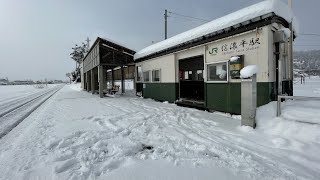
x,y
9,106
13,115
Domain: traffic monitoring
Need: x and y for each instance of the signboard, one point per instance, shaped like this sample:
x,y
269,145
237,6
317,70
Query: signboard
x,y
235,47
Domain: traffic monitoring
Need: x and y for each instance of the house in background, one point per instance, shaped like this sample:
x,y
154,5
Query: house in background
x,y
4,82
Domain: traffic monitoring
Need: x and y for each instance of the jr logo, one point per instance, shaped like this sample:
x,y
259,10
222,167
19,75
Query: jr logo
x,y
213,51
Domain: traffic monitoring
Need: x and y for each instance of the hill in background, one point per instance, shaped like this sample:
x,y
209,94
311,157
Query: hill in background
x,y
308,61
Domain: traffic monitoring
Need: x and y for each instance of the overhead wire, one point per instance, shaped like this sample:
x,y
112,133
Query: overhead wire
x,y
309,34
186,16
206,20
306,45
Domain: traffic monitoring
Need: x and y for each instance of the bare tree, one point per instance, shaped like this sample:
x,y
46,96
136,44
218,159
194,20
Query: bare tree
x,y
78,53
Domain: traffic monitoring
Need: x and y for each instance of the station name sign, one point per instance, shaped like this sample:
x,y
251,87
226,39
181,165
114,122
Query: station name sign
x,y
243,45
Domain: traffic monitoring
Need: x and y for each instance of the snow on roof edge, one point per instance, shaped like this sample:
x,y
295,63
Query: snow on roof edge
x,y
268,6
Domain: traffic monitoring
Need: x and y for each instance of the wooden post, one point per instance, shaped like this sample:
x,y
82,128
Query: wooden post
x,y
112,74
122,80
135,78
84,87
92,81
88,81
101,80
105,78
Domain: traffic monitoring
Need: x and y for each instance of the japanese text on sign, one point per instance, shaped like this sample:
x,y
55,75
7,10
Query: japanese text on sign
x,y
236,46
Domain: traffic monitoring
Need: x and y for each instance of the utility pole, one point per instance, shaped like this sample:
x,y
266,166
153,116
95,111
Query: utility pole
x,y
290,52
290,3
88,44
165,24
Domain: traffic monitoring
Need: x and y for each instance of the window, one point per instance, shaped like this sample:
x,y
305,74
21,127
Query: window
x,y
217,72
146,76
156,75
188,75
200,75
139,74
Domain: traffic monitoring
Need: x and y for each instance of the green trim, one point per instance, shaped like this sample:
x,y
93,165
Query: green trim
x,y
226,97
264,93
161,91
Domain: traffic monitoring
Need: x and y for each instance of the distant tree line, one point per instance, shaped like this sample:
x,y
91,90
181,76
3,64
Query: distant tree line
x,y
307,60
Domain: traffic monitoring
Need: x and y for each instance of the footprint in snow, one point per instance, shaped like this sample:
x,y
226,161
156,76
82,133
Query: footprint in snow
x,y
65,166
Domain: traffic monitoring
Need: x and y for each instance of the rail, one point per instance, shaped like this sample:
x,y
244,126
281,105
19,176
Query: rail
x,y
292,97
7,111
16,122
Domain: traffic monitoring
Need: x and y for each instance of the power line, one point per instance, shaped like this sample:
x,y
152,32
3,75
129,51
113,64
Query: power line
x,y
191,17
309,34
307,45
183,20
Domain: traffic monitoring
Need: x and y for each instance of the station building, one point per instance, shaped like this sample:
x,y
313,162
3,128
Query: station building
x,y
201,67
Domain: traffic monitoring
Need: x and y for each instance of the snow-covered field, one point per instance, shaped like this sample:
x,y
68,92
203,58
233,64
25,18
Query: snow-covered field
x,y
77,135
14,92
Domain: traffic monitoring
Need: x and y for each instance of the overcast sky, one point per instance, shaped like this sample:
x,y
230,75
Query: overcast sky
x,y
37,35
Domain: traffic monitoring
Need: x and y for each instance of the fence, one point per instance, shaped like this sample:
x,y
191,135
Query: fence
x,y
292,97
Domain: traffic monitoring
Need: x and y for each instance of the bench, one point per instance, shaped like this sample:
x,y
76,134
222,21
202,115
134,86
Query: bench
x,y
114,89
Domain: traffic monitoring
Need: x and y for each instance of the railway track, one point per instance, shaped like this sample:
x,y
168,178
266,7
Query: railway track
x,y
12,114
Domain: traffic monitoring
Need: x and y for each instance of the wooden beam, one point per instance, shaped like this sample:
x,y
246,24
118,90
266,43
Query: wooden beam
x,y
108,53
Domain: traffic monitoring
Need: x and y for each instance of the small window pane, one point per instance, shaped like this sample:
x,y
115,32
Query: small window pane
x,y
217,72
146,76
200,75
156,75
139,73
186,75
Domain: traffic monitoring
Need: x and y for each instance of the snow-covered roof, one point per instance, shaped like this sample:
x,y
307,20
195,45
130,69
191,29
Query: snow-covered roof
x,y
260,9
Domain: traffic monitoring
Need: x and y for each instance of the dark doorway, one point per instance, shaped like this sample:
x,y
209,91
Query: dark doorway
x,y
191,79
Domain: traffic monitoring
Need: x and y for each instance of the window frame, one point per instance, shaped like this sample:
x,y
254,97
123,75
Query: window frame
x,y
141,78
145,76
213,63
152,78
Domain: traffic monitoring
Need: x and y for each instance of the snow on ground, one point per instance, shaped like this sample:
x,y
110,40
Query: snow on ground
x,y
311,87
77,135
13,92
298,127
304,110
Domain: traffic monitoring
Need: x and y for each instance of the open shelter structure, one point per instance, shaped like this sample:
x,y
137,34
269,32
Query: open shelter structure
x,y
105,63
